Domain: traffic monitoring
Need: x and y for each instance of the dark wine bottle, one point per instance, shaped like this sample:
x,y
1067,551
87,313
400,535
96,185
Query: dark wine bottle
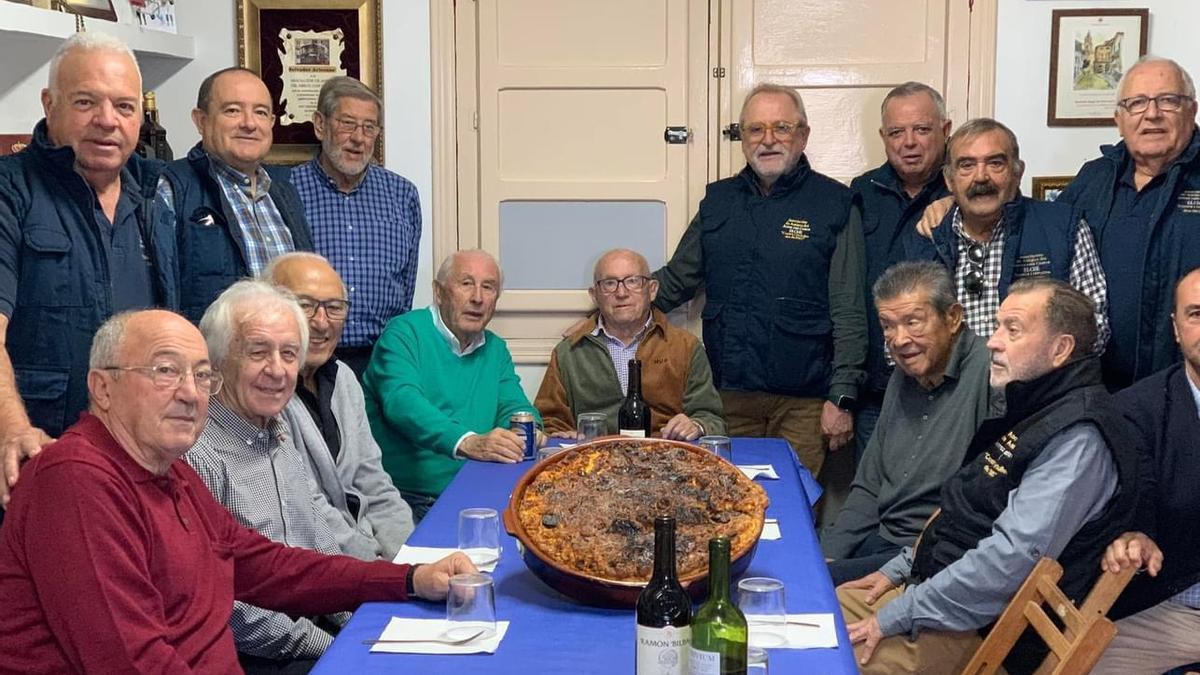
x,y
633,419
719,631
152,138
664,611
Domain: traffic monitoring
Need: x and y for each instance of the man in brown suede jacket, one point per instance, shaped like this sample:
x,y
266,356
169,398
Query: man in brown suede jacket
x,y
588,370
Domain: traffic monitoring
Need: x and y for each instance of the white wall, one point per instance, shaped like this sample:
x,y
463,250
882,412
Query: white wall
x,y
1023,76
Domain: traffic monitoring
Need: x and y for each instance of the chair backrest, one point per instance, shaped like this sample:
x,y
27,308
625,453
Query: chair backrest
x,y
1076,640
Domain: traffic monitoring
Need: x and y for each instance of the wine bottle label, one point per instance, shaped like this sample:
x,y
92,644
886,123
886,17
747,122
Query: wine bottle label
x,y
703,663
634,433
663,651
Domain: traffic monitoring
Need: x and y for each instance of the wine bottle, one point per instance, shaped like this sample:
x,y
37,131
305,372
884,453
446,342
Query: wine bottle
x,y
152,138
633,419
719,632
664,611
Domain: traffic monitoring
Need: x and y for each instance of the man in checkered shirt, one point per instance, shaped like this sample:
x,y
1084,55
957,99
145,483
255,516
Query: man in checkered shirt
x,y
993,236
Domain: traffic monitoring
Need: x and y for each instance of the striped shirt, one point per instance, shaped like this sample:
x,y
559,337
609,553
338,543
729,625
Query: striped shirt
x,y
371,236
620,353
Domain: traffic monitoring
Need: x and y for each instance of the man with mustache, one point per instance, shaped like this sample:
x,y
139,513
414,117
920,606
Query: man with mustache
x,y
365,219
231,212
784,315
993,236
78,241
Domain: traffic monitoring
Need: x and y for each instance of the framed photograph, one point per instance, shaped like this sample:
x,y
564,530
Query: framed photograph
x,y
295,46
1090,49
100,9
1047,188
11,144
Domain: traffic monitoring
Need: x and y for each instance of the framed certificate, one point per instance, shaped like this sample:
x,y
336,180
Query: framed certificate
x,y
1090,49
295,46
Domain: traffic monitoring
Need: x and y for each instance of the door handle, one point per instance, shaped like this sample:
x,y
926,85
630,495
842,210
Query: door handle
x,y
677,135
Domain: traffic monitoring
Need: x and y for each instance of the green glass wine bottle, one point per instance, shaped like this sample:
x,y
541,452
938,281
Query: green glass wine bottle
x,y
719,631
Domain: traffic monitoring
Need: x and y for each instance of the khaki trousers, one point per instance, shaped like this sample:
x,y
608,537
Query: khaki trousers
x,y
1153,641
762,415
932,653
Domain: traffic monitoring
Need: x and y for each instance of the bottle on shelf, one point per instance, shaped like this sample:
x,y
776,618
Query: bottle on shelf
x,y
633,419
719,631
152,139
664,611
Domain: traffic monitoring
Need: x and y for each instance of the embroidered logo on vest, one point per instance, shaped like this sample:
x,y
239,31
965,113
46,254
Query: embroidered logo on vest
x,y
1032,265
1189,201
996,459
798,230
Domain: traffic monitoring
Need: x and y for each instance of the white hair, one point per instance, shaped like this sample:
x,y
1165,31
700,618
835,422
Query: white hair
x,y
222,320
1189,87
89,42
106,344
443,272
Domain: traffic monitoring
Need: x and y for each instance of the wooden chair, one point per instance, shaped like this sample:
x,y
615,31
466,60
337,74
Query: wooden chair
x,y
1075,647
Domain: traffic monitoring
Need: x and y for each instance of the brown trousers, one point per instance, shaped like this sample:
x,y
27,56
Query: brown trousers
x,y
762,415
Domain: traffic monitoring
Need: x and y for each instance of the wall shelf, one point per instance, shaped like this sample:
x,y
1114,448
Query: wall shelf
x,y
28,22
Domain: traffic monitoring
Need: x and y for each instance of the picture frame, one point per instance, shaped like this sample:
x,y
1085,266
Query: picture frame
x,y
295,46
1047,188
97,9
1089,51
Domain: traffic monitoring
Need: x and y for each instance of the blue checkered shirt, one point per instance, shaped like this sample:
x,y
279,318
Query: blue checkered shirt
x,y
370,235
620,353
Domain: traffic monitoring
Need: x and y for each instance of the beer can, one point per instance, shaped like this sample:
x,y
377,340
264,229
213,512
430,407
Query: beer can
x,y
521,423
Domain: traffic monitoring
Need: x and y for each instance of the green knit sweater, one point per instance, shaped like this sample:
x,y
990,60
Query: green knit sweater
x,y
421,398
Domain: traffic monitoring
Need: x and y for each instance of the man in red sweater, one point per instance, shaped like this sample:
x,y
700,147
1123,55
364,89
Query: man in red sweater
x,y
116,558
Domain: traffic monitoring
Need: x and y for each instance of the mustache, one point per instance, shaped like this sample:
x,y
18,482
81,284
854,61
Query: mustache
x,y
982,189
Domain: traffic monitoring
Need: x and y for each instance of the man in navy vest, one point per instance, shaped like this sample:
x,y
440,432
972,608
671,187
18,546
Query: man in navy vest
x,y
993,236
888,200
784,317
1054,476
232,214
1159,613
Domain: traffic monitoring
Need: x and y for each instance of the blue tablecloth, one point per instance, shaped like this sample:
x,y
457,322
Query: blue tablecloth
x,y
552,634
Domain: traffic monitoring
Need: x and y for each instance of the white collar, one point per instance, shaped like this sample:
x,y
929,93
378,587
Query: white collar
x,y
451,338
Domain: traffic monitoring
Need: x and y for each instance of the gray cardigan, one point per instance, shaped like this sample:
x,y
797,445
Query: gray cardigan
x,y
384,518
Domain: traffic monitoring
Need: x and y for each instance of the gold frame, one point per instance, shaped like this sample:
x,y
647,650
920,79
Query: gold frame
x,y
370,50
1044,184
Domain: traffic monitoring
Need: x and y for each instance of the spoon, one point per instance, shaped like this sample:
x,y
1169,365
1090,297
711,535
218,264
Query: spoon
x,y
438,640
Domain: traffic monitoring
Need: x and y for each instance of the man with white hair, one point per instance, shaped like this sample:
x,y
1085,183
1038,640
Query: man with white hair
x,y
78,242
441,387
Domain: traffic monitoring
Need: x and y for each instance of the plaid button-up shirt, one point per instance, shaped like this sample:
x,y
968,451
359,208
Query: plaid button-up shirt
x,y
263,229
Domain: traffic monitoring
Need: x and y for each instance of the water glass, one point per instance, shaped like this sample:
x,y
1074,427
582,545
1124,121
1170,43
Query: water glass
x,y
756,661
720,446
591,425
479,535
548,451
761,599
470,607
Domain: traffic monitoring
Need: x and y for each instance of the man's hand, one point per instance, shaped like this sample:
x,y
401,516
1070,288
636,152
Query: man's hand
x,y
876,584
16,448
837,425
497,445
681,428
933,216
869,633
1132,549
570,435
432,581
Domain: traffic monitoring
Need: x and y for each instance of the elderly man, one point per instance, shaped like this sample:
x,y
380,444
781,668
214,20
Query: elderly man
x,y
935,402
784,318
257,336
77,241
1053,477
1142,198
589,371
441,387
993,236
365,219
115,558
327,418
232,213
1159,612
888,200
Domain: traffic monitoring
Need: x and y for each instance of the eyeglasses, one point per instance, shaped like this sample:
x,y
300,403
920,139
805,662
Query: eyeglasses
x,y
996,164
633,284
334,309
170,376
348,126
975,257
1136,105
781,130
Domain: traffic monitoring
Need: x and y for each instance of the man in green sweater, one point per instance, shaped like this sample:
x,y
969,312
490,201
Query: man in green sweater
x,y
440,387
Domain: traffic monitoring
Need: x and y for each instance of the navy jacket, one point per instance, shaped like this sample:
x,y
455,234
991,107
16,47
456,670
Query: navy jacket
x,y
1172,248
1161,414
887,212
210,240
55,276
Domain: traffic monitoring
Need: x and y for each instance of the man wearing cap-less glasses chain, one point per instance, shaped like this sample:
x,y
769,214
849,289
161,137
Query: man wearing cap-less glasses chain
x,y
993,236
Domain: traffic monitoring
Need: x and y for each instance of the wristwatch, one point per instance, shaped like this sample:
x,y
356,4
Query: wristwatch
x,y
844,402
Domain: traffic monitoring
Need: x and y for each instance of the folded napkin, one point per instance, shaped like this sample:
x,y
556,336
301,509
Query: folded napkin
x,y
433,629
753,471
803,637
770,530
413,555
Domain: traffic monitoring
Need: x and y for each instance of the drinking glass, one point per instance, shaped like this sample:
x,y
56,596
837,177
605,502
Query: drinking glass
x,y
592,425
470,607
720,446
479,535
761,599
756,661
548,451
